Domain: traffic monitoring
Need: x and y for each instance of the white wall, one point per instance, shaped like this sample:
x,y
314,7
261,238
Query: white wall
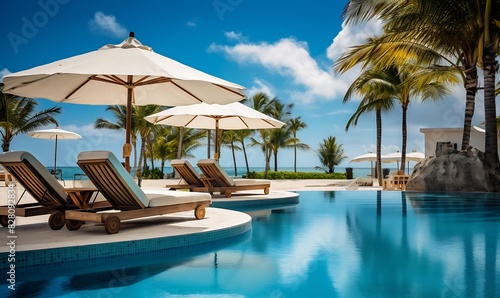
x,y
453,135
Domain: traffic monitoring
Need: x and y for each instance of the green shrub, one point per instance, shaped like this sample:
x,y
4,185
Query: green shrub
x,y
282,175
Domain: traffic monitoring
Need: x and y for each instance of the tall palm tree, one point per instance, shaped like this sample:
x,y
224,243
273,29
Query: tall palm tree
x,y
262,103
144,128
120,115
280,137
162,145
295,125
18,116
330,154
465,29
229,139
241,136
378,94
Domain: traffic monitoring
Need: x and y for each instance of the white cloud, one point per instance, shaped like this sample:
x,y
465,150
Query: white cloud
x,y
291,59
231,35
261,86
352,35
3,73
192,23
107,24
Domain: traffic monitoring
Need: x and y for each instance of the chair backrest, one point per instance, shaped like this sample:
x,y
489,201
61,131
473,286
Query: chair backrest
x,y
186,171
112,180
212,169
34,177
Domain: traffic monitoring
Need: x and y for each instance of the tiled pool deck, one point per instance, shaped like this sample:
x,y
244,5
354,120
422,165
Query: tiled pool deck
x,y
36,244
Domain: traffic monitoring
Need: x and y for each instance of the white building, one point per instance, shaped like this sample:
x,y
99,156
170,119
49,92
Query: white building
x,y
453,135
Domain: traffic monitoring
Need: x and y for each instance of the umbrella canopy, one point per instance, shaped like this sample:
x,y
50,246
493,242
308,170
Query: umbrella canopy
x,y
124,74
370,156
231,116
365,157
396,157
56,134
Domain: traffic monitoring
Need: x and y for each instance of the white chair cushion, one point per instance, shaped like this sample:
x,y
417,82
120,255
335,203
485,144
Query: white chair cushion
x,y
159,197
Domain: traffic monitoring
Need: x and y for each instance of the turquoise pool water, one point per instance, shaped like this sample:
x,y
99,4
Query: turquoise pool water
x,y
333,244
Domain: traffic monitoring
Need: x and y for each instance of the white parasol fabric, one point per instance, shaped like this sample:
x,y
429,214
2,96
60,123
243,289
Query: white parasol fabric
x,y
125,74
231,116
370,156
55,134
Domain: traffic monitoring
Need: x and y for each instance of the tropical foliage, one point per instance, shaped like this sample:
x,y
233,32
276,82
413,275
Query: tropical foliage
x,y
18,116
330,154
431,34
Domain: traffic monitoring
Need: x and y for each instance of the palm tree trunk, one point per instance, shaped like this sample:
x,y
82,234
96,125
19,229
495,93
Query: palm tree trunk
x,y
378,164
245,154
295,156
234,159
179,143
491,138
470,88
404,135
208,142
134,144
276,160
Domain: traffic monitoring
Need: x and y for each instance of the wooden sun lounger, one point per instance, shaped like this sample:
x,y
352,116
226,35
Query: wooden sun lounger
x,y
217,180
40,184
127,198
189,176
51,197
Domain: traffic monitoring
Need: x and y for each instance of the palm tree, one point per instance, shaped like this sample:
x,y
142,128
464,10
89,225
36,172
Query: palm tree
x,y
144,127
470,32
330,154
189,139
262,103
162,145
120,113
241,136
378,94
280,137
17,116
228,139
295,125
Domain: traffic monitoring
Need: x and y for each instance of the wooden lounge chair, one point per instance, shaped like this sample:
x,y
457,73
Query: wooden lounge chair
x,y
189,176
40,184
128,200
217,180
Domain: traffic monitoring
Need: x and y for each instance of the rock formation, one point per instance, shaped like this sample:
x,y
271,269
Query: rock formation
x,y
452,170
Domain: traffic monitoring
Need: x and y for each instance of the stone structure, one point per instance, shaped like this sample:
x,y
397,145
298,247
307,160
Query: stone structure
x,y
453,170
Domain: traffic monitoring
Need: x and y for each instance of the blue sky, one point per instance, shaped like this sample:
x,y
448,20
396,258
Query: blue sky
x,y
284,48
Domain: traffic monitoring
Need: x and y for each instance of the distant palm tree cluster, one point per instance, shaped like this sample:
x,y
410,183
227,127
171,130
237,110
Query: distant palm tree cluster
x,y
164,143
426,46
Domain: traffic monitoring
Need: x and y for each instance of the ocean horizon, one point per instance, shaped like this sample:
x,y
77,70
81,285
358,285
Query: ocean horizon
x,y
75,173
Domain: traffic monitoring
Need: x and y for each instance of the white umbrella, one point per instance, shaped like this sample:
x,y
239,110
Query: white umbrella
x,y
124,74
396,157
370,156
55,134
215,116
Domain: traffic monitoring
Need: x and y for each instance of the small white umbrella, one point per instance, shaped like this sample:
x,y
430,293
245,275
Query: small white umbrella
x,y
231,116
54,134
125,74
370,156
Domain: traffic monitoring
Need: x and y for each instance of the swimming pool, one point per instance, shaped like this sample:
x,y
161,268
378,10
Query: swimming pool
x,y
333,244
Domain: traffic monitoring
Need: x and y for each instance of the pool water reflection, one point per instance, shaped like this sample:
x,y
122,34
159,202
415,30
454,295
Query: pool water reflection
x,y
338,244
